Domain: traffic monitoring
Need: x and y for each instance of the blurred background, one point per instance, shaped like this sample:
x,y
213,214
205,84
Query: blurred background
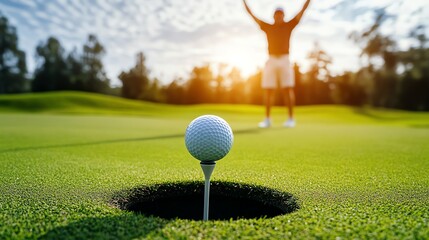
x,y
210,51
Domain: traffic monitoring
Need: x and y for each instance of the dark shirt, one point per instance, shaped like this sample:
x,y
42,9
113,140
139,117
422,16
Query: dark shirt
x,y
278,36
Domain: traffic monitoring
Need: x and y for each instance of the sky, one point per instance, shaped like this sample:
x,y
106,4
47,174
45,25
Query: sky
x,y
176,35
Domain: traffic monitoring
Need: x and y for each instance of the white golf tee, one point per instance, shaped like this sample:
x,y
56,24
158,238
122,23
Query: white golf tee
x,y
208,168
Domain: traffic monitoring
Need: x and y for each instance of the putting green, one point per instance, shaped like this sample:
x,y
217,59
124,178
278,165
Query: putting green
x,y
358,173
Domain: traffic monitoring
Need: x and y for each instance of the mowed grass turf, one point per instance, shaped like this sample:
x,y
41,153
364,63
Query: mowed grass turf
x,y
358,173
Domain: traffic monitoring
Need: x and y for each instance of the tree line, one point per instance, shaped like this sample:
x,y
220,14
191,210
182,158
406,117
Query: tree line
x,y
56,69
389,77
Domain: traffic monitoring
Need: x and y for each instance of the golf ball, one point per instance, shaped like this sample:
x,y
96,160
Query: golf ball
x,y
208,138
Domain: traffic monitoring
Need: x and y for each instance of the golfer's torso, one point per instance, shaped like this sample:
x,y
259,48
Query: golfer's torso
x,y
278,37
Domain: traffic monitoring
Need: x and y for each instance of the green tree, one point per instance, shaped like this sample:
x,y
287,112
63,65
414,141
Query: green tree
x,y
319,63
136,81
238,87
346,89
51,72
75,70
375,47
95,79
255,90
153,92
175,92
199,89
12,60
414,85
300,86
220,84
318,76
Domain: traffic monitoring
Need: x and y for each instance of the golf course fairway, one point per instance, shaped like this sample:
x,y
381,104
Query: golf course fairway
x,y
356,172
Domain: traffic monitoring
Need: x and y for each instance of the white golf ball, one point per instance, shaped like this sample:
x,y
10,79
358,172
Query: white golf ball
x,y
208,138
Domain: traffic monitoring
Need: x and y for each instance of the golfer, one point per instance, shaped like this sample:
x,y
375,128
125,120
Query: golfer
x,y
278,66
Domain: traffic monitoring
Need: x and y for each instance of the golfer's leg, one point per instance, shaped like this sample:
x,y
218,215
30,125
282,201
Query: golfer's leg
x,y
268,102
289,100
288,84
268,84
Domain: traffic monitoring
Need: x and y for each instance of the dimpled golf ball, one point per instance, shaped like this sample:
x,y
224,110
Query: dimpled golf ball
x,y
208,138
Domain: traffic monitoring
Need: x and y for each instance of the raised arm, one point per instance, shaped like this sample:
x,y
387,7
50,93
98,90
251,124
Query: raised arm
x,y
251,14
298,17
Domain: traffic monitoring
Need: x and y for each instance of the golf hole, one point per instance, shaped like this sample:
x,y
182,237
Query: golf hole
x,y
228,200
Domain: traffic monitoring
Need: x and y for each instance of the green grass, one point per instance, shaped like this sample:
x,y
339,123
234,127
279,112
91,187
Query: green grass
x,y
358,173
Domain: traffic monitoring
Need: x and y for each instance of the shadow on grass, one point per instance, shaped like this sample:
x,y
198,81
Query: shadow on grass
x,y
247,131
420,126
369,114
172,136
127,226
94,143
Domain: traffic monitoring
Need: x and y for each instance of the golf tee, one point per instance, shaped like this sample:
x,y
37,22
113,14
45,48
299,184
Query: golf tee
x,y
207,170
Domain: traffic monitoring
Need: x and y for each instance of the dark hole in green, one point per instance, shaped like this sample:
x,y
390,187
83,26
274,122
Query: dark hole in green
x,y
228,200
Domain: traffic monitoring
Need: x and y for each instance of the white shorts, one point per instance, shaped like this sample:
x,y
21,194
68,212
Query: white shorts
x,y
278,68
